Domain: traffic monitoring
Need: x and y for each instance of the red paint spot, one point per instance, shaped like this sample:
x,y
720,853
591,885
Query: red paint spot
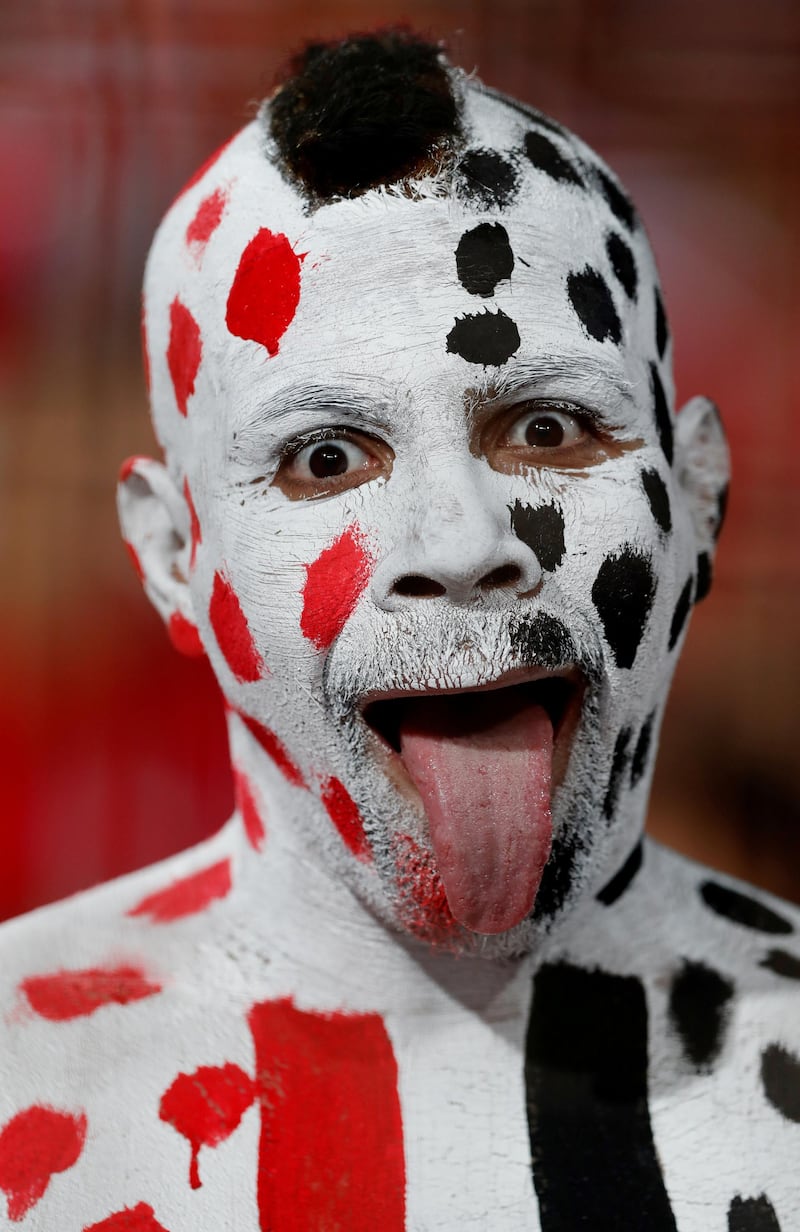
x,y
184,636
273,747
129,466
206,1107
265,291
187,896
64,995
207,165
251,818
194,523
207,219
331,1150
232,632
34,1145
140,1218
184,352
424,907
333,585
344,814
145,351
134,559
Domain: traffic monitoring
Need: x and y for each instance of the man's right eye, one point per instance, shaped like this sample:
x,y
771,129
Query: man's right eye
x,y
326,466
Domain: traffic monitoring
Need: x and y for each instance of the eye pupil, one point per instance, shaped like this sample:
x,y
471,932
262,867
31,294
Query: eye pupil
x,y
327,460
544,430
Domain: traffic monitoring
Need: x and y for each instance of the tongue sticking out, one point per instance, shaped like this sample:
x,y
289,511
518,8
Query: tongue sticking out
x,y
484,777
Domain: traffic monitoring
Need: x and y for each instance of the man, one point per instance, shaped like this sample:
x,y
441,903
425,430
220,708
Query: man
x,y
427,509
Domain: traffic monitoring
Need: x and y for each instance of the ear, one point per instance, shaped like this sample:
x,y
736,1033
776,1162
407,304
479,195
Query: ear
x,y
702,467
155,523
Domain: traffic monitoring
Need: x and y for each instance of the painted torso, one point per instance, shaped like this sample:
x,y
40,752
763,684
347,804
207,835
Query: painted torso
x,y
648,1061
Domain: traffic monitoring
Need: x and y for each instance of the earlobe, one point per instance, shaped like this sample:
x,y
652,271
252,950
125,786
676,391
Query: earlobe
x,y
702,466
155,523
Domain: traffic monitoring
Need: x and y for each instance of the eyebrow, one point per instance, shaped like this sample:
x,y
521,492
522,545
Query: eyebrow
x,y
291,402
527,374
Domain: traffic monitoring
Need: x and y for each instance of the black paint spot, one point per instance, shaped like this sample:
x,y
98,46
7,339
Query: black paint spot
x,y
620,205
742,909
722,509
662,331
623,594
640,753
548,158
752,1215
484,258
662,415
542,641
622,879
656,492
619,764
782,963
698,1011
594,1160
488,338
780,1074
704,577
525,109
590,297
487,179
542,529
682,608
622,263
557,878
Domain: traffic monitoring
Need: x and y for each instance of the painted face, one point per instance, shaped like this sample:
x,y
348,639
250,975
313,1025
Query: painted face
x,y
437,550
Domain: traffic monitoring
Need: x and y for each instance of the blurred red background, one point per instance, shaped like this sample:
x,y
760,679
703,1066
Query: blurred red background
x,y
113,749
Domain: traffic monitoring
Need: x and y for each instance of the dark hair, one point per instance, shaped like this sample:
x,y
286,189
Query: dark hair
x,y
371,109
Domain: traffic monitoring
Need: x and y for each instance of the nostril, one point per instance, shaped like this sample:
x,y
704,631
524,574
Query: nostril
x,y
414,586
503,575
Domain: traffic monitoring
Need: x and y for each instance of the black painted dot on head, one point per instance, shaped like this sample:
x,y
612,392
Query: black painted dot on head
x,y
780,1076
557,878
704,577
742,909
487,179
623,594
698,1010
542,641
682,608
484,258
662,415
621,205
622,263
658,498
619,764
752,1215
623,878
662,330
546,157
590,297
640,753
487,338
781,962
542,529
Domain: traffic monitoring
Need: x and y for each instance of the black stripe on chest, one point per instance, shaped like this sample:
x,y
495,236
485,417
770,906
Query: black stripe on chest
x,y
594,1160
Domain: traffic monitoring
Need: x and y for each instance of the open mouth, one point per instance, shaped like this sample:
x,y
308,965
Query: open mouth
x,y
483,763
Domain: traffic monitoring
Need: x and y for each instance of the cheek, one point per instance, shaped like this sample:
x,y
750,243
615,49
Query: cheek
x,y
333,585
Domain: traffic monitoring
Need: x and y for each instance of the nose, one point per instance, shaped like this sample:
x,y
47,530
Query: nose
x,y
457,543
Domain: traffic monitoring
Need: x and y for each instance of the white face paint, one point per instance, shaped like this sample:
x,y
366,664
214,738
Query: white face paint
x,y
443,559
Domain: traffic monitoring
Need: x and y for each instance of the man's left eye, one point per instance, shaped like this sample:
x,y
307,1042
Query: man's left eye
x,y
546,427
327,459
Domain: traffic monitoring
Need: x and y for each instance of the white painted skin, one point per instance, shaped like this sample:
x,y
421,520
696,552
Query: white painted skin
x,y
305,918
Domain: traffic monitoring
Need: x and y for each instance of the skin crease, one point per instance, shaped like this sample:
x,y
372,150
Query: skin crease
x,y
328,1046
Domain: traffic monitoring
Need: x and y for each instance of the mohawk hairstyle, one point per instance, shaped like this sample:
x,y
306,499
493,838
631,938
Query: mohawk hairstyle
x,y
372,109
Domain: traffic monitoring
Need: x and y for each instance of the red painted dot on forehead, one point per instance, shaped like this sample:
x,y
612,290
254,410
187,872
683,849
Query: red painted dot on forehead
x,y
64,995
205,1107
34,1145
184,352
265,292
187,896
139,1218
184,636
251,818
343,812
332,588
233,632
206,220
194,524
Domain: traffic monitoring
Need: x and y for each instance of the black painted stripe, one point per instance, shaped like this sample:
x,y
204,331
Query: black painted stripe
x,y
594,1160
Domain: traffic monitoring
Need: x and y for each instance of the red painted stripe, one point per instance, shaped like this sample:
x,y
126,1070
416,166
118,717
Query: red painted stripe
x,y
333,585
343,812
188,895
273,747
34,1145
331,1151
63,995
